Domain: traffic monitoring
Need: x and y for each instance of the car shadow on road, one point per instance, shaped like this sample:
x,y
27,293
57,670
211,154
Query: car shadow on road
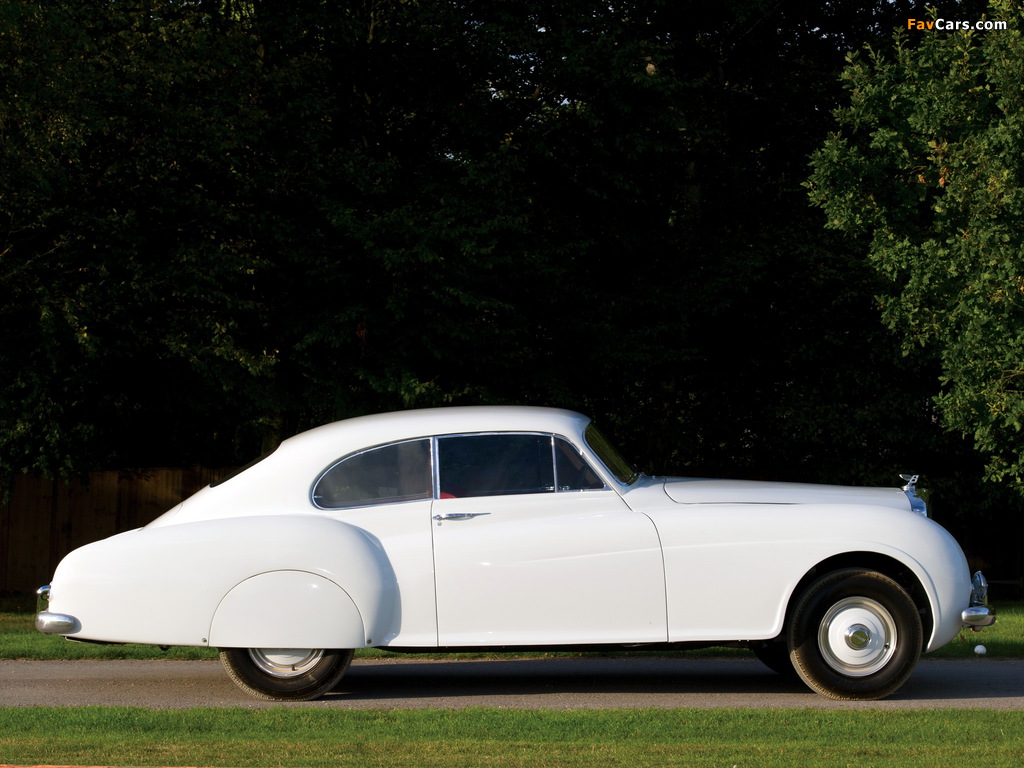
x,y
632,682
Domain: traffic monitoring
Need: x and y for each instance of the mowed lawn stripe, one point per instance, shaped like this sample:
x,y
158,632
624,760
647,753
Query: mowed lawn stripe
x,y
239,738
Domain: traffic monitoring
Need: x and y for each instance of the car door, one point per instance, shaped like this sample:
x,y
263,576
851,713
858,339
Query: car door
x,y
531,547
387,492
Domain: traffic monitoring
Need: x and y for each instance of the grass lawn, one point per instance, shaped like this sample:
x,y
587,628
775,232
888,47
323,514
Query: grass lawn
x,y
519,738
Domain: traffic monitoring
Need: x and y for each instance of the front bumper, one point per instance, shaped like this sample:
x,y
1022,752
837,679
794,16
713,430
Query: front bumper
x,y
978,614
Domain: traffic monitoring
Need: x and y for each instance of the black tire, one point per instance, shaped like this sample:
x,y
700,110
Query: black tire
x,y
855,634
285,674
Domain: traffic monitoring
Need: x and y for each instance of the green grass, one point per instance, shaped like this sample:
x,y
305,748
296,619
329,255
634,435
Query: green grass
x,y
1003,640
19,640
520,738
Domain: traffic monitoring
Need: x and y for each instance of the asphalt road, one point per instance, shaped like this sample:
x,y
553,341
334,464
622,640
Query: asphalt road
x,y
560,683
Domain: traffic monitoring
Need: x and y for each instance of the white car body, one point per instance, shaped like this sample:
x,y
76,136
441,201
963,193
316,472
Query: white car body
x,y
259,562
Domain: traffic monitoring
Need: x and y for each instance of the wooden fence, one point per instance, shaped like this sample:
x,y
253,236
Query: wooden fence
x,y
42,520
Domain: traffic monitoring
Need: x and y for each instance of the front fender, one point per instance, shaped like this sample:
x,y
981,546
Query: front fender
x,y
759,554
166,585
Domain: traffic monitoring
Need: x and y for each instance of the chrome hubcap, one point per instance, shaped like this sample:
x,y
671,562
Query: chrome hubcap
x,y
857,636
285,662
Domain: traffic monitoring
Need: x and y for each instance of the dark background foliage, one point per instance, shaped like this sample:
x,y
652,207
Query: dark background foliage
x,y
223,222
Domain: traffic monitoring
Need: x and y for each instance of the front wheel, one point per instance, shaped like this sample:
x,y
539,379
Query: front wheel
x,y
286,674
855,634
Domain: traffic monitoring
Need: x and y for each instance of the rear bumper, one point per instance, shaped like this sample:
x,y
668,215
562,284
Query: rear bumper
x,y
53,623
56,623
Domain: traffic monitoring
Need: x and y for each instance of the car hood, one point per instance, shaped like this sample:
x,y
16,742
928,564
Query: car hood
x,y
685,490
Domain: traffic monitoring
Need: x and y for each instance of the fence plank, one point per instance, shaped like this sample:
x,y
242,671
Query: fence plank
x,y
30,514
42,520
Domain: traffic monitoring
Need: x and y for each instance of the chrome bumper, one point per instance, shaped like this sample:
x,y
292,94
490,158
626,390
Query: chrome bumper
x,y
978,614
53,623
56,623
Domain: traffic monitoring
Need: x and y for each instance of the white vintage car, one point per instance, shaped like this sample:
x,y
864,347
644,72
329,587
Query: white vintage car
x,y
518,528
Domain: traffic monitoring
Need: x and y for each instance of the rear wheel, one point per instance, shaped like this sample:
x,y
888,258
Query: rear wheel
x,y
286,674
855,634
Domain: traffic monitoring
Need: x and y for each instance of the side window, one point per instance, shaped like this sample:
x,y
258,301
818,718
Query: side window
x,y
572,470
385,475
495,465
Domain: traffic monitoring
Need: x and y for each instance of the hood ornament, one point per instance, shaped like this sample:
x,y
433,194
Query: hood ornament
x,y
918,502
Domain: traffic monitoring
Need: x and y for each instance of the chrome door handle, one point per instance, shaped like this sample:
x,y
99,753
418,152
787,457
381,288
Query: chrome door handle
x,y
459,515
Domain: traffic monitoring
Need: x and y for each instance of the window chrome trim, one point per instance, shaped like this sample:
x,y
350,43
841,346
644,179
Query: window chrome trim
x,y
435,476
554,463
590,458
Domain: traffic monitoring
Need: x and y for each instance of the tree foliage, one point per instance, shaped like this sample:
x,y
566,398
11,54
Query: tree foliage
x,y
224,221
928,166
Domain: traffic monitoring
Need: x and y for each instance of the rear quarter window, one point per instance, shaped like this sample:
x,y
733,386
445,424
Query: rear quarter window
x,y
384,475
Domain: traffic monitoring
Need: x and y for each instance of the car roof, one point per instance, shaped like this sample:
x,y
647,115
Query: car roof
x,y
377,429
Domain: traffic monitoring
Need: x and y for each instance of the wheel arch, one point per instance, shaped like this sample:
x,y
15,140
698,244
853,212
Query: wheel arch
x,y
287,609
299,582
887,565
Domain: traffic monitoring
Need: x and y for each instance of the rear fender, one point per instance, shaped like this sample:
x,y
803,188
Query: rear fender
x,y
287,609
248,580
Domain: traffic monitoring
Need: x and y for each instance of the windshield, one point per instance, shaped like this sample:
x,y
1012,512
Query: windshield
x,y
610,457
